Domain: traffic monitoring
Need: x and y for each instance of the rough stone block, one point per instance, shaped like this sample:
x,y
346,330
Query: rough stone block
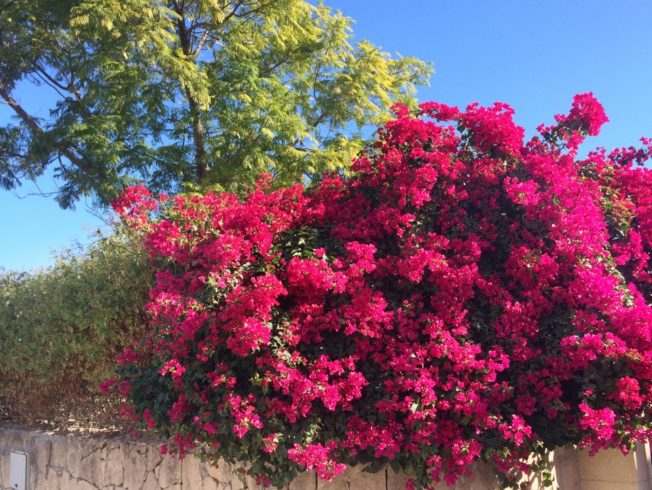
x,y
135,465
191,473
305,481
536,480
215,471
154,456
354,478
240,480
60,480
74,456
168,473
92,460
114,467
396,481
226,475
483,478
84,485
77,462
150,482
59,455
38,461
211,477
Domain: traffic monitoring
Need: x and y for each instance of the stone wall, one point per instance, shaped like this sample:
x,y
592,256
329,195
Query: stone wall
x,y
73,461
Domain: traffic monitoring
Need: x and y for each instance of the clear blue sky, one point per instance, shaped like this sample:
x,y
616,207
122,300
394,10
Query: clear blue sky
x,y
534,55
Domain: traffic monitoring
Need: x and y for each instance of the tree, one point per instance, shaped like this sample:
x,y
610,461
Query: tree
x,y
188,94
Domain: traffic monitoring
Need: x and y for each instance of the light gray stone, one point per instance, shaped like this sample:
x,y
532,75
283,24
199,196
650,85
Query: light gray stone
x,y
150,482
60,480
74,456
84,485
196,474
92,461
354,478
59,454
217,472
609,465
483,478
396,481
239,478
305,481
191,473
154,457
135,465
168,473
38,461
114,467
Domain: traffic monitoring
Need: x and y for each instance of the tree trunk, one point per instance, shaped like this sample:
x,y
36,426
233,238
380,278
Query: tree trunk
x,y
198,132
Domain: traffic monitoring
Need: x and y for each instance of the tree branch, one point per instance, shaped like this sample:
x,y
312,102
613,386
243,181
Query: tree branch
x,y
36,129
39,76
49,77
27,119
200,44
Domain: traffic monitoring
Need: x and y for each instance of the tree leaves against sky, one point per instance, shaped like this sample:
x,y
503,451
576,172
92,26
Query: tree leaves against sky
x,y
188,95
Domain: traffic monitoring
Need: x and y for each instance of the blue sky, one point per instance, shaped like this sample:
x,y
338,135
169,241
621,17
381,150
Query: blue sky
x,y
534,55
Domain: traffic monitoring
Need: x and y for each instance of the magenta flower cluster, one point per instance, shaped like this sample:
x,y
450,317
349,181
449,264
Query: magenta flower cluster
x,y
463,295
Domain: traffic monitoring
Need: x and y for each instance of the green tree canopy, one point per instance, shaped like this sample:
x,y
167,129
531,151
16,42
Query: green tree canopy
x,y
188,92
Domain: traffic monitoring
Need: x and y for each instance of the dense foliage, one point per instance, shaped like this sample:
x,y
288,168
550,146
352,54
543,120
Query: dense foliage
x,y
61,328
464,295
195,92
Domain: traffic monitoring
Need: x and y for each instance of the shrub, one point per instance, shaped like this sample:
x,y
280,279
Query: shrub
x,y
61,328
464,295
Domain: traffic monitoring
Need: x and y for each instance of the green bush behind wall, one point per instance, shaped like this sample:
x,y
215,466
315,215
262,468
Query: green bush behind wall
x,y
60,329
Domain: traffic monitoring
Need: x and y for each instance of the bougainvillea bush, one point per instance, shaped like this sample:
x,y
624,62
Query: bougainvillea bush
x,y
465,295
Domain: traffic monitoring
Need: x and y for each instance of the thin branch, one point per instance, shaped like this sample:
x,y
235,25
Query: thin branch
x,y
49,77
48,83
200,44
40,193
27,119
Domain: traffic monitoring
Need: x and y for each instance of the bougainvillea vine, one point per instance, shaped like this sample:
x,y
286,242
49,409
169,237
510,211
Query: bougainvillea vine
x,y
464,295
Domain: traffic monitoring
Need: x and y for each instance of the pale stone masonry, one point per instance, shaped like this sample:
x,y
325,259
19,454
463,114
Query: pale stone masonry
x,y
73,461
